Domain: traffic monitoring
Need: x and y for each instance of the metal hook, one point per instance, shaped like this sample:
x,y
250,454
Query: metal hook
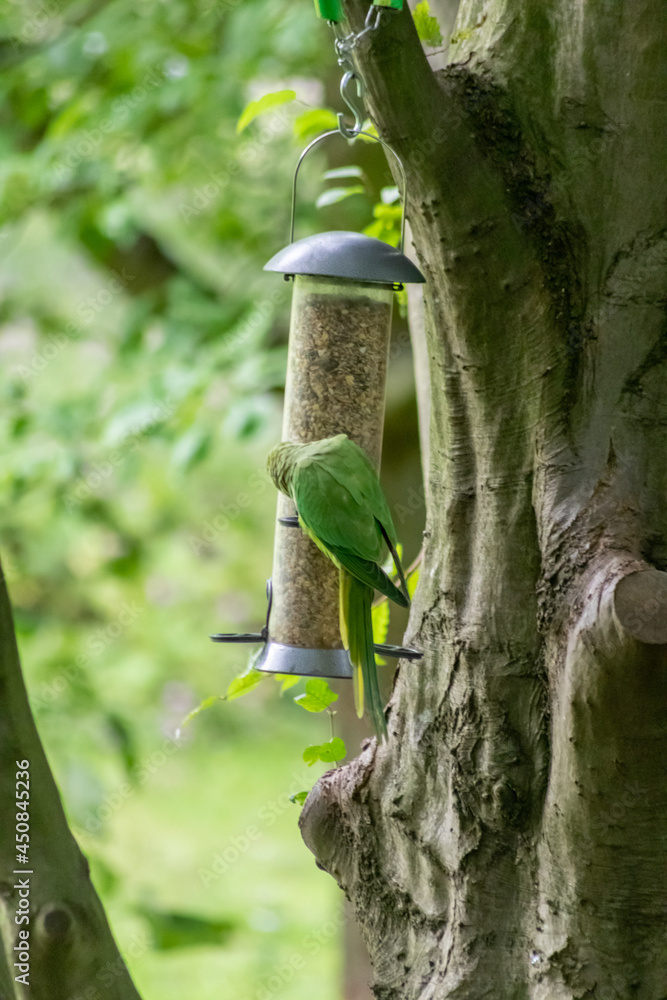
x,y
344,45
373,12
355,103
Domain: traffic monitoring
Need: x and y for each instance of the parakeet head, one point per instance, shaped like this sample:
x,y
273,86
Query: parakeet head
x,y
280,464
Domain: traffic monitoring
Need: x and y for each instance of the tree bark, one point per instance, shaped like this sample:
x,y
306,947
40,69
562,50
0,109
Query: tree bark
x,y
71,950
510,839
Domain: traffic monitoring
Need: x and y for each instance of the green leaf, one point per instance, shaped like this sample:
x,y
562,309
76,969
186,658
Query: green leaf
x,y
244,684
327,752
191,448
318,696
333,195
74,114
370,130
389,214
380,232
335,749
286,681
266,103
298,798
427,26
311,755
313,122
387,225
339,172
201,707
412,582
380,616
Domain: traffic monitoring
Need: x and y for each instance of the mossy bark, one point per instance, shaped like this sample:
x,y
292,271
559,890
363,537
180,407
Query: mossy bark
x,y
510,839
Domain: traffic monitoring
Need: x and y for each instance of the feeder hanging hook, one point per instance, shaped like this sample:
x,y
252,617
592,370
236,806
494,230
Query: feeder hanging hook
x,y
352,79
355,103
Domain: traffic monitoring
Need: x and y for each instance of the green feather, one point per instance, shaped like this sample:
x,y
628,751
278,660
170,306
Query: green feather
x,y
357,630
369,573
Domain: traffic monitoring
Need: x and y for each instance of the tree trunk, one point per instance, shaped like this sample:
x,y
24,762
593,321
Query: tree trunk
x,y
56,942
510,839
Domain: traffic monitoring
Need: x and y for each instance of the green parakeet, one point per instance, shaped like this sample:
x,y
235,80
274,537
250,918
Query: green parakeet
x,y
342,508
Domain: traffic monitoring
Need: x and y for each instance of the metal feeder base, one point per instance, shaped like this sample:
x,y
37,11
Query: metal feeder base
x,y
280,659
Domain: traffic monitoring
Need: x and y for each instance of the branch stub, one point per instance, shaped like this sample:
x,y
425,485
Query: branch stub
x,y
640,603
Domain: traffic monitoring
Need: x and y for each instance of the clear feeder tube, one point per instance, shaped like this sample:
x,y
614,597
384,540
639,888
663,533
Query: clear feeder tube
x,y
336,375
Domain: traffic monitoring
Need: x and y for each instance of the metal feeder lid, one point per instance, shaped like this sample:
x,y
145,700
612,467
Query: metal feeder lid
x,y
340,254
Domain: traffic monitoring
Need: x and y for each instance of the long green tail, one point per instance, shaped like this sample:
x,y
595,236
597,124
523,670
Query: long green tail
x,y
356,626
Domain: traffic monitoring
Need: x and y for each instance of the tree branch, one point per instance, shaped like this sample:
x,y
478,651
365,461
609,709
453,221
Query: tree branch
x,y
640,606
72,952
605,815
434,122
396,71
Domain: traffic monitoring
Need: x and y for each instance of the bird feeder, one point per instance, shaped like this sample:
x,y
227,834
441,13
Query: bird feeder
x,y
340,329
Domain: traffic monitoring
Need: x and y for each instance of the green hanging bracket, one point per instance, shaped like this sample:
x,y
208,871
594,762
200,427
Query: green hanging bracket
x,y
330,10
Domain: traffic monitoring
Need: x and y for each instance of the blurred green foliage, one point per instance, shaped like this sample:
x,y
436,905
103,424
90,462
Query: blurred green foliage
x,y
143,355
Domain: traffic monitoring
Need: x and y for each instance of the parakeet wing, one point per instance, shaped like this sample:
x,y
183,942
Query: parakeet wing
x,y
331,510
340,501
369,573
338,469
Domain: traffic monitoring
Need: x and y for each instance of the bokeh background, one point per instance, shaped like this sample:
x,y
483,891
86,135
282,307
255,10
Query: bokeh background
x,y
142,351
